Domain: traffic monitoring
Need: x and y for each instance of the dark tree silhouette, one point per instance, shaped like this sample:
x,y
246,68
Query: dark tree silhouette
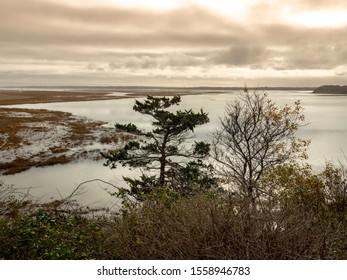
x,y
173,163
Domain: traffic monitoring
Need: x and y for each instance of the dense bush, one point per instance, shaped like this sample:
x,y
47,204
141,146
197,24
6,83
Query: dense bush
x,y
285,226
304,219
49,236
30,230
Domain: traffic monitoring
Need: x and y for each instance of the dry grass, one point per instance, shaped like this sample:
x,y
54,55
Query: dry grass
x,y
20,164
11,97
107,139
22,131
13,121
17,166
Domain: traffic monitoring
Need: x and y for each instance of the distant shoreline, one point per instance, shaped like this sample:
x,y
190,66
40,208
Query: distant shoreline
x,y
16,97
32,95
137,88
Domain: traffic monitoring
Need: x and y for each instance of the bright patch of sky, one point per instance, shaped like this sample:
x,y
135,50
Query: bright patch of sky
x,y
316,19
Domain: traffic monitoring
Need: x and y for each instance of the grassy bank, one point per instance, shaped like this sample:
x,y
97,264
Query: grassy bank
x,y
36,138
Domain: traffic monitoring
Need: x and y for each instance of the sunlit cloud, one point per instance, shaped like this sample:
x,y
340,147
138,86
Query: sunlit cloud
x,y
316,19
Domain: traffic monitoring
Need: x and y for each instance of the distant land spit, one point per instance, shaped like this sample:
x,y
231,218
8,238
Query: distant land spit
x,y
331,89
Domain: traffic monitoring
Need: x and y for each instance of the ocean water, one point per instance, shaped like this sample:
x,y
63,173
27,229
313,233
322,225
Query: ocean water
x,y
325,115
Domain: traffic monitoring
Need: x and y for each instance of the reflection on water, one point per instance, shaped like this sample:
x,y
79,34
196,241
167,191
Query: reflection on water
x,y
59,181
325,114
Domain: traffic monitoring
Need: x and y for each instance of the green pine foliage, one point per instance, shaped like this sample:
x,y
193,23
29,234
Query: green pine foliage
x,y
167,154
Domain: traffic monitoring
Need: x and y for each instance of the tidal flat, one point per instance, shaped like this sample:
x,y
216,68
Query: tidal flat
x,y
326,128
39,137
36,138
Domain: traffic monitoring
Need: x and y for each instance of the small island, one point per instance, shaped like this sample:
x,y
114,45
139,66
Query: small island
x,y
331,89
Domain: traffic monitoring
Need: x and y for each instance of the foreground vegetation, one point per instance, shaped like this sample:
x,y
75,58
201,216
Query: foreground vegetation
x,y
248,195
305,219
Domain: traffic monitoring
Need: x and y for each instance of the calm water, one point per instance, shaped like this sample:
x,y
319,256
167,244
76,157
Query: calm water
x,y
327,130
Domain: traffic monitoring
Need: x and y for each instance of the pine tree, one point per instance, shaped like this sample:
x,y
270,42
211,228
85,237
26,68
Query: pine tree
x,y
165,155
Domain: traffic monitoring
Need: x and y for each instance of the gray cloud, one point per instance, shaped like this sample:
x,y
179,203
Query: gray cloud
x,y
241,55
323,56
162,61
38,21
39,30
43,33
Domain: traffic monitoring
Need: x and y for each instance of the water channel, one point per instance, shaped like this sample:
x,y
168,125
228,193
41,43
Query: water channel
x,y
326,116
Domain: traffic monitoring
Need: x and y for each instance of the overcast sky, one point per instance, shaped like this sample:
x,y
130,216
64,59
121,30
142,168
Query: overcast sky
x,y
173,42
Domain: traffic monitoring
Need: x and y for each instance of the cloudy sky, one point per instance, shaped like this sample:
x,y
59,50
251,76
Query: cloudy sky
x,y
173,42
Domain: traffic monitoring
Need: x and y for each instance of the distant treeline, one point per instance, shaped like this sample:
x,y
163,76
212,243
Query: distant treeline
x,y
334,89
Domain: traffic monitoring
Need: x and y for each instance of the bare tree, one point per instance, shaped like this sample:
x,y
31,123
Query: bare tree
x,y
256,135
